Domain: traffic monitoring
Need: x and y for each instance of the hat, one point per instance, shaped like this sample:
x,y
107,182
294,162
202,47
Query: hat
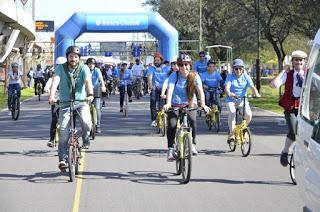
x,y
299,54
238,62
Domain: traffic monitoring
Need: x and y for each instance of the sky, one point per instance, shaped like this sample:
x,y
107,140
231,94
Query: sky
x,y
61,10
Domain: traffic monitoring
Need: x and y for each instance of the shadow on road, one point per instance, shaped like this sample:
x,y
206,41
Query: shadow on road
x,y
144,152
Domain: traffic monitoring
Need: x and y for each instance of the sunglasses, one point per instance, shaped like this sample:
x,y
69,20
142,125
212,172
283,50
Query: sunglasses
x,y
201,56
183,64
238,68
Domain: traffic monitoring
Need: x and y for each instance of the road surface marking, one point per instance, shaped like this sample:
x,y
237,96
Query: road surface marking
x,y
76,201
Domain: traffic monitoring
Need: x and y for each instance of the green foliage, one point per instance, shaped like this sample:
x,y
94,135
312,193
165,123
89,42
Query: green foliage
x,y
25,94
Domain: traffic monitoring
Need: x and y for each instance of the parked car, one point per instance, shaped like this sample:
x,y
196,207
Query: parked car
x,y
307,149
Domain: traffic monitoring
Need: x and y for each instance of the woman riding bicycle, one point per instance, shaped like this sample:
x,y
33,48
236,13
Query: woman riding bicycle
x,y
124,76
181,93
156,77
212,79
15,78
236,86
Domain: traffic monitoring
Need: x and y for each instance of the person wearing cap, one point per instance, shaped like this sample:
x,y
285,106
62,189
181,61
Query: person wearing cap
x,y
183,85
156,77
293,81
200,65
137,72
54,107
39,77
236,86
212,79
15,79
124,77
74,81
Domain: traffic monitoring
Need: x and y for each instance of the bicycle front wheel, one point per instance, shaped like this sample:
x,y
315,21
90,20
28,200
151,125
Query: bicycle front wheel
x,y
125,107
217,121
246,142
15,108
208,121
292,170
71,162
186,161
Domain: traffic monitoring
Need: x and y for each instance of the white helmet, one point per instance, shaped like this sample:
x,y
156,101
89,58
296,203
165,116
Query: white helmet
x,y
299,54
61,60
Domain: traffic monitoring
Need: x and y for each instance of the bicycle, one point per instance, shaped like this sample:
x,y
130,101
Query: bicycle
x,y
292,169
125,101
214,116
137,88
15,105
74,149
183,144
93,112
242,135
39,89
162,120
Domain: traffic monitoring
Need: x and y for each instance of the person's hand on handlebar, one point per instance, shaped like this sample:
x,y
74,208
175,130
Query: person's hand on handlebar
x,y
167,106
52,100
205,107
89,99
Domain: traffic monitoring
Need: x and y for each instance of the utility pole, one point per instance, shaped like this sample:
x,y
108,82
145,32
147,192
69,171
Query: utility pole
x,y
33,10
200,26
258,78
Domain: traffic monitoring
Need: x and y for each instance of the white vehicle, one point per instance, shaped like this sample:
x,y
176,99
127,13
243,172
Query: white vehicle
x,y
307,148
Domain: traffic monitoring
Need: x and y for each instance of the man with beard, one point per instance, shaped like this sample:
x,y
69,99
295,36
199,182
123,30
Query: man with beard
x,y
156,77
74,81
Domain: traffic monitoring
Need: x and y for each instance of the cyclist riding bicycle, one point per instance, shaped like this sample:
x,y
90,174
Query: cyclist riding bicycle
x,y
98,87
54,108
15,79
137,72
293,81
236,85
200,65
181,93
212,79
39,77
124,76
156,77
74,80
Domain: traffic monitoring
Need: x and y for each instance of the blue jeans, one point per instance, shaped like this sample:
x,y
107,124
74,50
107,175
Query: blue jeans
x,y
122,90
97,104
11,88
64,121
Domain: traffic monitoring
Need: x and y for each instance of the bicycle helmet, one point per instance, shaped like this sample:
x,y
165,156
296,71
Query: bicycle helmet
x,y
184,58
91,60
238,62
14,64
73,49
61,60
159,55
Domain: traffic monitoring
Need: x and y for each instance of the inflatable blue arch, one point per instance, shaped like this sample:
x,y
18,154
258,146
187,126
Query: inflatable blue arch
x,y
151,22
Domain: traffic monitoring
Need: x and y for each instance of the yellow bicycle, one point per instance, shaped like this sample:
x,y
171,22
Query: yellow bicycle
x,y
162,120
242,135
213,117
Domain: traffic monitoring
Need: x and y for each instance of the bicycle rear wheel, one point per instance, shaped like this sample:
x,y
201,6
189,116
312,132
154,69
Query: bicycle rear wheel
x,y
246,143
15,108
292,170
217,121
71,161
186,161
232,145
78,156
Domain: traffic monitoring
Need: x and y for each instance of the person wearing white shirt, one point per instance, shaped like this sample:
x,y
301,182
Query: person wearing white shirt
x,y
293,81
39,78
15,79
137,72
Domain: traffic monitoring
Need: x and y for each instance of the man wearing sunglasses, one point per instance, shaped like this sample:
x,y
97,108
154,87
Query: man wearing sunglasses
x,y
201,65
236,86
293,80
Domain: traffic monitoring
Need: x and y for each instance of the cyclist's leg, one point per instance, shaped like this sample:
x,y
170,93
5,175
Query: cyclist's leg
x,y
172,126
192,117
64,121
129,90
121,90
207,98
10,92
218,100
231,117
153,102
158,103
53,125
97,104
86,123
43,82
18,88
247,113
36,81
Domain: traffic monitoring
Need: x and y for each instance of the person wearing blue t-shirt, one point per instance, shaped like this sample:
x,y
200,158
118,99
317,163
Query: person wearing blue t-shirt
x,y
98,88
236,85
212,80
181,93
156,76
201,65
124,76
81,92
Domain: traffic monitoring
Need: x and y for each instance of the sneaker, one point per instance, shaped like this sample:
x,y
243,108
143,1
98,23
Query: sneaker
x,y
194,149
121,110
85,145
284,159
170,155
98,130
62,166
130,99
50,143
154,123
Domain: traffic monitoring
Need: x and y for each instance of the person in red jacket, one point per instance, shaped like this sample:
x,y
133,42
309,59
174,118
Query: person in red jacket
x,y
293,81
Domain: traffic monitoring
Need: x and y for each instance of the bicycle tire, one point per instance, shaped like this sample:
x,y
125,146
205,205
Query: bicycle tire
x,y
186,161
71,162
208,121
15,108
94,122
232,145
163,130
77,160
39,90
246,143
292,170
217,121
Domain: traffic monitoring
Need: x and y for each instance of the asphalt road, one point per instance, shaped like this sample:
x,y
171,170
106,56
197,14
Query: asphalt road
x,y
125,168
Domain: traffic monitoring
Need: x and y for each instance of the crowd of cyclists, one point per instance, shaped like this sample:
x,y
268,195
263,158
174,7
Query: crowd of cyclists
x,y
178,84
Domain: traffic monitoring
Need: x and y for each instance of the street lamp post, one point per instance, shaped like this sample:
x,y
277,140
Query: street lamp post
x,y
200,26
258,85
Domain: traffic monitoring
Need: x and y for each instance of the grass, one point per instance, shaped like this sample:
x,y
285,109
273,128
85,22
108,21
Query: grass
x,y
25,94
